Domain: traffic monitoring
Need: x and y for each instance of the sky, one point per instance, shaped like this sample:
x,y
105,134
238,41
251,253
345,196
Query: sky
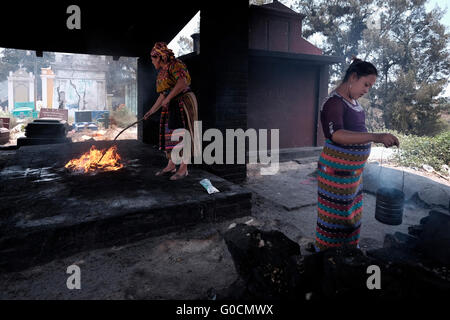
x,y
443,4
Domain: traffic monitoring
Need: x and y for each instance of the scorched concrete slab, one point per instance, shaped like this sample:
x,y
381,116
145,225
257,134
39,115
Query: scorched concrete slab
x,y
49,212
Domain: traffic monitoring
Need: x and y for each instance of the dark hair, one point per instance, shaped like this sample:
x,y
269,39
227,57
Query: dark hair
x,y
361,68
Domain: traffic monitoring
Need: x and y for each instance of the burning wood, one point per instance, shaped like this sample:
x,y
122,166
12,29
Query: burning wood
x,y
89,161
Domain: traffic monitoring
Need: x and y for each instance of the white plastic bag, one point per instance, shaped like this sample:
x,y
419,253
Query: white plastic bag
x,y
208,186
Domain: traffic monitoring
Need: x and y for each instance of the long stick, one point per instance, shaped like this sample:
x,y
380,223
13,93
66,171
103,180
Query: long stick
x,y
134,123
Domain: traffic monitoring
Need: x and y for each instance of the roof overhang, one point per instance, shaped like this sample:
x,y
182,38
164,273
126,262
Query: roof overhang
x,y
274,9
127,28
298,57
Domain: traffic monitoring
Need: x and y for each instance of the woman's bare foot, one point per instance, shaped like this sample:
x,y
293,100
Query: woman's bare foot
x,y
169,168
181,173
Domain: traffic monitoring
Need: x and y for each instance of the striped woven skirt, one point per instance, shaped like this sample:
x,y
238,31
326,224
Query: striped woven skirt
x,y
340,195
185,105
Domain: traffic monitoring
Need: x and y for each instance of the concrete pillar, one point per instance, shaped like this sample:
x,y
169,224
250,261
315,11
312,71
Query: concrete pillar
x,y
47,79
10,92
101,94
31,88
44,91
146,81
225,74
109,97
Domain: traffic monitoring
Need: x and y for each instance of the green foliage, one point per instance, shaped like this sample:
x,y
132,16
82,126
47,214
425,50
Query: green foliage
x,y
410,50
414,108
374,116
417,151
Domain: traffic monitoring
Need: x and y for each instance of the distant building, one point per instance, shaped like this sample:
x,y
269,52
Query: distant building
x,y
4,94
20,87
287,76
80,82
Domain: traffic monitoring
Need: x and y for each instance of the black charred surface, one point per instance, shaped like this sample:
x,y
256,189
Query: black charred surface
x,y
49,212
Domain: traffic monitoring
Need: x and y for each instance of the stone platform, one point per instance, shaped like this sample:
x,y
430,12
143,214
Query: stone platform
x,y
48,212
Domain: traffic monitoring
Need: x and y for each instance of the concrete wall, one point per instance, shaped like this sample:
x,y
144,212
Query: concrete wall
x,y
87,73
282,95
286,94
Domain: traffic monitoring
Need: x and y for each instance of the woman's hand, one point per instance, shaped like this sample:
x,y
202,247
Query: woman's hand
x,y
148,114
387,139
155,107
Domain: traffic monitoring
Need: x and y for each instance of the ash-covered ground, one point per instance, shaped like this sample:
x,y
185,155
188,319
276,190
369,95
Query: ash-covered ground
x,y
187,263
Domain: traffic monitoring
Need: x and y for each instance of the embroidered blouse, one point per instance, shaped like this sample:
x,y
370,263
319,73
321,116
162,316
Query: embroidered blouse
x,y
167,78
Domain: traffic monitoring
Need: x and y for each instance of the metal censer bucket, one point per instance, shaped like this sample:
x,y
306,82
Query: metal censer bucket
x,y
389,203
389,206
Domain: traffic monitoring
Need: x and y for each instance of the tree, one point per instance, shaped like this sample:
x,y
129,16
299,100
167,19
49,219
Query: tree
x,y
341,23
120,73
410,50
186,45
408,46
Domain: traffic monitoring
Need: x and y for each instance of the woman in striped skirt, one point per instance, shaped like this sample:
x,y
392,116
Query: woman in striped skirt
x,y
341,163
179,106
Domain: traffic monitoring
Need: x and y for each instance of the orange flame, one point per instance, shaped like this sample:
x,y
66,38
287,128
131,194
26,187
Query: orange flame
x,y
88,162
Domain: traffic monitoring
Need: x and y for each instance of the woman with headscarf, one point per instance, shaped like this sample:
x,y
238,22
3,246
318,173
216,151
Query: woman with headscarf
x,y
178,102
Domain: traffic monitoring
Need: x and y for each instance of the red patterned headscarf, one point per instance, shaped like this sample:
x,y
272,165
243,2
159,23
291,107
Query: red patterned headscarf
x,y
161,49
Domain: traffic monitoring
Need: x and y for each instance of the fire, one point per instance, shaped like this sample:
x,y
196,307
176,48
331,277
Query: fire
x,y
89,162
